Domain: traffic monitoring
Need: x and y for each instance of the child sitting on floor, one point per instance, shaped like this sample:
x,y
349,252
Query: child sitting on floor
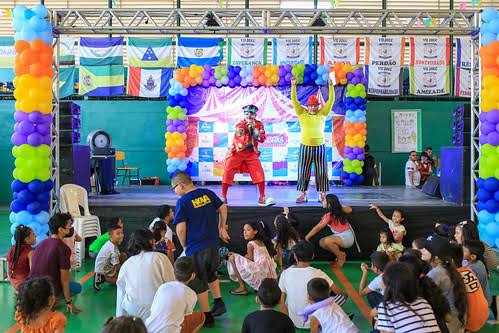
x,y
257,264
163,243
128,324
285,238
395,224
19,256
109,259
171,309
35,300
387,245
267,319
324,314
293,283
473,254
97,244
374,291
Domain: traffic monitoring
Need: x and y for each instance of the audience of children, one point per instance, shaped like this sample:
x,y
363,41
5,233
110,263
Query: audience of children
x,y
163,243
395,224
97,244
325,315
109,259
19,256
257,264
141,275
403,309
35,301
342,236
387,244
173,304
374,290
286,237
267,320
293,283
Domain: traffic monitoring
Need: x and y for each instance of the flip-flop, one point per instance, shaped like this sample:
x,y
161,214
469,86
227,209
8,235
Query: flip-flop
x,y
236,292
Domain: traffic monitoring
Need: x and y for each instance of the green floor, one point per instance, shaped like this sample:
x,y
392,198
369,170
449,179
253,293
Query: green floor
x,y
98,306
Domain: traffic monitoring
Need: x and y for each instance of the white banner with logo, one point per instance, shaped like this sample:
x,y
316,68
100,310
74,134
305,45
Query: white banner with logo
x,y
462,84
384,60
429,66
292,51
247,51
342,50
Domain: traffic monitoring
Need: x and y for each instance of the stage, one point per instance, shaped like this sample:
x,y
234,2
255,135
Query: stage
x,y
138,204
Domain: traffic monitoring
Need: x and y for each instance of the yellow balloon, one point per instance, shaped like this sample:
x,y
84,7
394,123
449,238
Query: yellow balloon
x,y
28,105
45,83
45,107
490,81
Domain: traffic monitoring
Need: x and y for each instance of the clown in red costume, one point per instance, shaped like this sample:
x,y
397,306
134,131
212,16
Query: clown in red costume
x,y
243,155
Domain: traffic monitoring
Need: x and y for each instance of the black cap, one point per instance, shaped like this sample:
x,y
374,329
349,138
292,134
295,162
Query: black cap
x,y
438,247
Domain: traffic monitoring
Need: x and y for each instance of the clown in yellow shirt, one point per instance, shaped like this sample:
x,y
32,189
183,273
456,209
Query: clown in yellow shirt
x,y
312,148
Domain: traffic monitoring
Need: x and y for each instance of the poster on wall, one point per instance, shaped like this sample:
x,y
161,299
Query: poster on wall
x,y
247,51
342,50
292,51
406,130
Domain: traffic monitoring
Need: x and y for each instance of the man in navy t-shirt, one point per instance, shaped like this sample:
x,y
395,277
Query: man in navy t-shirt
x,y
200,221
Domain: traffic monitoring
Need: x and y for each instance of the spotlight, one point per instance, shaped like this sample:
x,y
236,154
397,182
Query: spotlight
x,y
211,21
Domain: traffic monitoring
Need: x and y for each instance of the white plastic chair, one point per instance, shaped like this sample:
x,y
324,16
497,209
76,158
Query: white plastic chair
x,y
87,225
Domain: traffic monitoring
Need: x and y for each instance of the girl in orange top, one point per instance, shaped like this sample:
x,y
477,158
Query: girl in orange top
x,y
35,300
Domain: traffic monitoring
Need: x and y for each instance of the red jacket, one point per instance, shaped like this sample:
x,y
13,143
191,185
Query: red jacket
x,y
243,137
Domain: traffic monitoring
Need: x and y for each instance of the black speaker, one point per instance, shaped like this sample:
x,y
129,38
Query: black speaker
x,y
455,174
74,165
432,186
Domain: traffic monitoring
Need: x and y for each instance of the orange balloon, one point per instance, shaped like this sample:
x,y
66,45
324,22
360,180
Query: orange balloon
x,y
181,156
21,69
337,66
342,74
37,70
171,155
20,46
29,57
38,45
489,61
343,81
490,71
45,59
178,75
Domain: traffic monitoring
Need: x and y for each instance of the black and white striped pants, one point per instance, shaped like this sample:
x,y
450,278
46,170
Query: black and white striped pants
x,y
307,156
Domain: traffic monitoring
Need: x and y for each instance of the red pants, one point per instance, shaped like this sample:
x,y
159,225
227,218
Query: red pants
x,y
243,162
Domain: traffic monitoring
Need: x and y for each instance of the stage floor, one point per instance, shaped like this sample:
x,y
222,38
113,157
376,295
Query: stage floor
x,y
246,196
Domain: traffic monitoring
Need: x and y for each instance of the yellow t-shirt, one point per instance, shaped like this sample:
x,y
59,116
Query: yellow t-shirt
x,y
312,125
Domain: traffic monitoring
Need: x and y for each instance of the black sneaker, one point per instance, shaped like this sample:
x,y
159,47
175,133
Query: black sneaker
x,y
98,280
218,309
209,321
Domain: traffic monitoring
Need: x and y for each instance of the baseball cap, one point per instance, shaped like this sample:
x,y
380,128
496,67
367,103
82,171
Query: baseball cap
x,y
438,246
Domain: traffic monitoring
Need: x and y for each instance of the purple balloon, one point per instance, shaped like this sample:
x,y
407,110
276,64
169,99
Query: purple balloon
x,y
26,127
288,68
36,117
35,139
487,127
482,139
18,139
355,80
237,80
181,129
206,75
349,76
492,116
207,67
20,116
169,122
493,138
177,122
205,83
237,69
47,140
348,150
212,80
497,127
360,157
43,129
231,74
358,73
171,128
483,116
232,84
281,71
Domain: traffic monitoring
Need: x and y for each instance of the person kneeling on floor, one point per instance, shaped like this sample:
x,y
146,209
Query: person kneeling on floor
x,y
109,259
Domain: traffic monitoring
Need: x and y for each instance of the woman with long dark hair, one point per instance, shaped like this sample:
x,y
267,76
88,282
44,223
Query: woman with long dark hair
x,y
19,256
342,235
141,275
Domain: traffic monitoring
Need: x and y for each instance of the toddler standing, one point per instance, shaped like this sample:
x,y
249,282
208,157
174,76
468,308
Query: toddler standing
x,y
395,224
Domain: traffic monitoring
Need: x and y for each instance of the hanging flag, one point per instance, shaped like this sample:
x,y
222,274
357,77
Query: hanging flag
x,y
150,52
198,51
66,81
343,50
99,51
67,54
429,66
7,59
150,83
101,80
247,51
384,61
463,52
292,51
462,82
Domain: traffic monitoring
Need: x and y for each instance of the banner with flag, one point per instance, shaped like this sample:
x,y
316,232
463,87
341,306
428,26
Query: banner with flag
x,y
150,52
463,52
343,50
66,81
67,53
384,61
150,83
100,51
102,80
198,51
7,59
292,51
429,72
247,51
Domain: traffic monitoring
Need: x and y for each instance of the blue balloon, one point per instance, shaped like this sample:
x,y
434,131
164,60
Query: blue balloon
x,y
40,238
36,186
29,35
46,36
481,206
480,182
489,14
13,228
44,206
492,206
493,26
40,10
48,185
360,179
17,24
43,197
44,228
491,241
17,205
492,229
42,217
344,175
33,208
18,185
19,11
348,182
24,217
25,196
490,184
483,195
488,38
485,217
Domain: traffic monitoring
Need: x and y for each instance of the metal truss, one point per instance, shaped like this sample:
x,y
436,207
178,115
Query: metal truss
x,y
263,21
55,134
476,88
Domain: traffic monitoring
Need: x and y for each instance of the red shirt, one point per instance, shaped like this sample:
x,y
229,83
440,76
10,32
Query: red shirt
x,y
21,269
335,224
425,170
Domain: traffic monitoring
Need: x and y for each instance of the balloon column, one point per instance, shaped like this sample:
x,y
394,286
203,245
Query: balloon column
x,y
355,126
488,181
31,138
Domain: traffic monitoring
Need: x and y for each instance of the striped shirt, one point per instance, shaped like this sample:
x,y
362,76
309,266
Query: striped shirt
x,y
417,317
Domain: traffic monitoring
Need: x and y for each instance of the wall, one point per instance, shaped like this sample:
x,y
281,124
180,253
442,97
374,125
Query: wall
x,y
137,127
436,118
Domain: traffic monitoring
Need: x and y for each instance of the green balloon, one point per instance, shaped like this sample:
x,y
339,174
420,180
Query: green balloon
x,y
43,151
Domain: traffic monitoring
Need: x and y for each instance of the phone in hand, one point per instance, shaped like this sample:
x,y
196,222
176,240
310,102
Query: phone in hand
x,y
332,77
